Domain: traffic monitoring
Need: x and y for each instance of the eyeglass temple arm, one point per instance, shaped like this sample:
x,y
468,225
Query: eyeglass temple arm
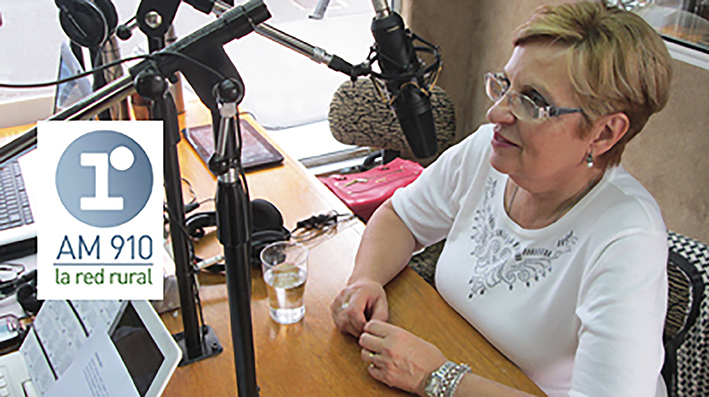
x,y
551,111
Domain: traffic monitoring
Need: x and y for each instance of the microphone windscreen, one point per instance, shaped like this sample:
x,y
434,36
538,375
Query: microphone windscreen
x,y
359,116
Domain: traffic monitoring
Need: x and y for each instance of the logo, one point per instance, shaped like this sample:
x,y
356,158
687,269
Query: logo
x,y
99,209
104,179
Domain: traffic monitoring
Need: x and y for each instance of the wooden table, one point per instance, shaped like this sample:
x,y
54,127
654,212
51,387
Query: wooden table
x,y
312,358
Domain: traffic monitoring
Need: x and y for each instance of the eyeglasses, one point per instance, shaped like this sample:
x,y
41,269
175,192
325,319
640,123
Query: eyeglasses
x,y
522,106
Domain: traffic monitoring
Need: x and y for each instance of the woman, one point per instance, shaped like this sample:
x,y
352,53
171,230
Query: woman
x,y
553,251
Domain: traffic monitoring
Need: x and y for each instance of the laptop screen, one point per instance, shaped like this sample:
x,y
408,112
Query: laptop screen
x,y
136,346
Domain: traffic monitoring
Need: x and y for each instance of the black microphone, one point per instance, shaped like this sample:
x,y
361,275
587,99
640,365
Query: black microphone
x,y
358,116
404,79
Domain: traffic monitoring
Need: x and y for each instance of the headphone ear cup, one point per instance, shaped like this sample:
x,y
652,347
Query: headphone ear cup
x,y
109,14
265,216
83,22
196,223
267,227
27,298
259,240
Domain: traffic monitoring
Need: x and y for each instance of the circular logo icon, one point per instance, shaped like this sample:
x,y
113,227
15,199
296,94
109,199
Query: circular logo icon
x,y
104,178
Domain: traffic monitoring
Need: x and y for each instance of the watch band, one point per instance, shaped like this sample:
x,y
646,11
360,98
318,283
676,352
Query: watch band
x,y
457,376
443,381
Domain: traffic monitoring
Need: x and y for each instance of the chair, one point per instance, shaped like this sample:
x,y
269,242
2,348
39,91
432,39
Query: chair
x,y
425,262
686,368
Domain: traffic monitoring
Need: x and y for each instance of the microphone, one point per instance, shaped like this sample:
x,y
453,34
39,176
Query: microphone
x,y
404,77
358,116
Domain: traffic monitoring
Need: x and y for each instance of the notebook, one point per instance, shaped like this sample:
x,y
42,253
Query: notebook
x,y
256,151
52,350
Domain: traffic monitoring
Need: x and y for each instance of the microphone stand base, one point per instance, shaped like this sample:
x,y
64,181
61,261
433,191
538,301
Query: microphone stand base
x,y
210,346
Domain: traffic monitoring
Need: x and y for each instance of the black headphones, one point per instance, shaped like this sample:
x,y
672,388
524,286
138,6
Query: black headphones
x,y
25,289
266,226
88,23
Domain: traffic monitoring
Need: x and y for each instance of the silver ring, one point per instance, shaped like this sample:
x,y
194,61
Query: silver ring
x,y
344,305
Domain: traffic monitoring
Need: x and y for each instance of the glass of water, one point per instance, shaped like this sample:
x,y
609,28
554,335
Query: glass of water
x,y
285,269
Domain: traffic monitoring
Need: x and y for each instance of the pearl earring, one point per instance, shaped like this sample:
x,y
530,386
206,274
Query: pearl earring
x,y
589,161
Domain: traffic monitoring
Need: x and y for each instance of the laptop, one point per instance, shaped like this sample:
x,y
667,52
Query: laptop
x,y
18,232
145,347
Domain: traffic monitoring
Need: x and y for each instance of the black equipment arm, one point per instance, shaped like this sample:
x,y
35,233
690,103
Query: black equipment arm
x,y
233,24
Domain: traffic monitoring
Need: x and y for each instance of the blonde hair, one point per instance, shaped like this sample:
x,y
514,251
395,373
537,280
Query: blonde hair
x,y
616,62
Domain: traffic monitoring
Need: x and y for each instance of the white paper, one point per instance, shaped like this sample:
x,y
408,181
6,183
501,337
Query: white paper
x,y
37,366
58,335
97,371
97,314
61,334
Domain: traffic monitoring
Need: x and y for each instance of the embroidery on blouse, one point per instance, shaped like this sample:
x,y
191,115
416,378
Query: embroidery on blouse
x,y
498,256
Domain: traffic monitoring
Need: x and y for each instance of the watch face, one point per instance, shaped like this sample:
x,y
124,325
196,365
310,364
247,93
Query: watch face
x,y
434,386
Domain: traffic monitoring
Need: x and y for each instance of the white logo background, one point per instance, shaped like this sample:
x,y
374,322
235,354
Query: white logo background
x,y
80,261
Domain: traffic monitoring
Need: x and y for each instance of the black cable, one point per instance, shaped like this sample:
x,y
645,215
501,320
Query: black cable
x,y
317,225
77,76
150,57
197,298
206,200
190,245
191,190
248,113
242,177
193,61
192,257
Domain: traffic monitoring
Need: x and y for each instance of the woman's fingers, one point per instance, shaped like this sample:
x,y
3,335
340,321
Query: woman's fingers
x,y
397,357
379,328
348,313
371,358
352,306
380,310
371,343
355,312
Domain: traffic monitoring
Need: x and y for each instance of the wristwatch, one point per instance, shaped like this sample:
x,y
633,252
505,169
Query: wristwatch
x,y
443,381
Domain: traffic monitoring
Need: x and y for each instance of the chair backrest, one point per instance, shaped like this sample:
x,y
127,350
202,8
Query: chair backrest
x,y
359,116
686,368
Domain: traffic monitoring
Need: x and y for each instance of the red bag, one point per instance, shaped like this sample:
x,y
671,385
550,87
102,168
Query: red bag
x,y
365,191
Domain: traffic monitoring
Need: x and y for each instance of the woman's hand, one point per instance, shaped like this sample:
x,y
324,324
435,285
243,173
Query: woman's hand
x,y
360,302
397,357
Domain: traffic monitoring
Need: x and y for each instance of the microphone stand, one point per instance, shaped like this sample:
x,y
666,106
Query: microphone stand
x,y
196,344
233,230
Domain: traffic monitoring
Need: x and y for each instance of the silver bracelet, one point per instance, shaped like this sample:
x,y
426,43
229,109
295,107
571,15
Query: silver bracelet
x,y
443,381
458,372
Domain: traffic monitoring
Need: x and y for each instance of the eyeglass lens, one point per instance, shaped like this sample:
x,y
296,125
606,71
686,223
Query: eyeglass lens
x,y
521,106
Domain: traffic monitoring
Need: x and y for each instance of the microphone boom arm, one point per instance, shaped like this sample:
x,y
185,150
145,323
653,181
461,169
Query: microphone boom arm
x,y
316,54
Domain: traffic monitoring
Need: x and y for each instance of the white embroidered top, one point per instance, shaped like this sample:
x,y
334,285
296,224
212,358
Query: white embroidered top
x,y
578,305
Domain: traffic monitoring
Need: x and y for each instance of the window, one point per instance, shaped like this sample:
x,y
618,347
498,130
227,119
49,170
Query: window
x,y
683,22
